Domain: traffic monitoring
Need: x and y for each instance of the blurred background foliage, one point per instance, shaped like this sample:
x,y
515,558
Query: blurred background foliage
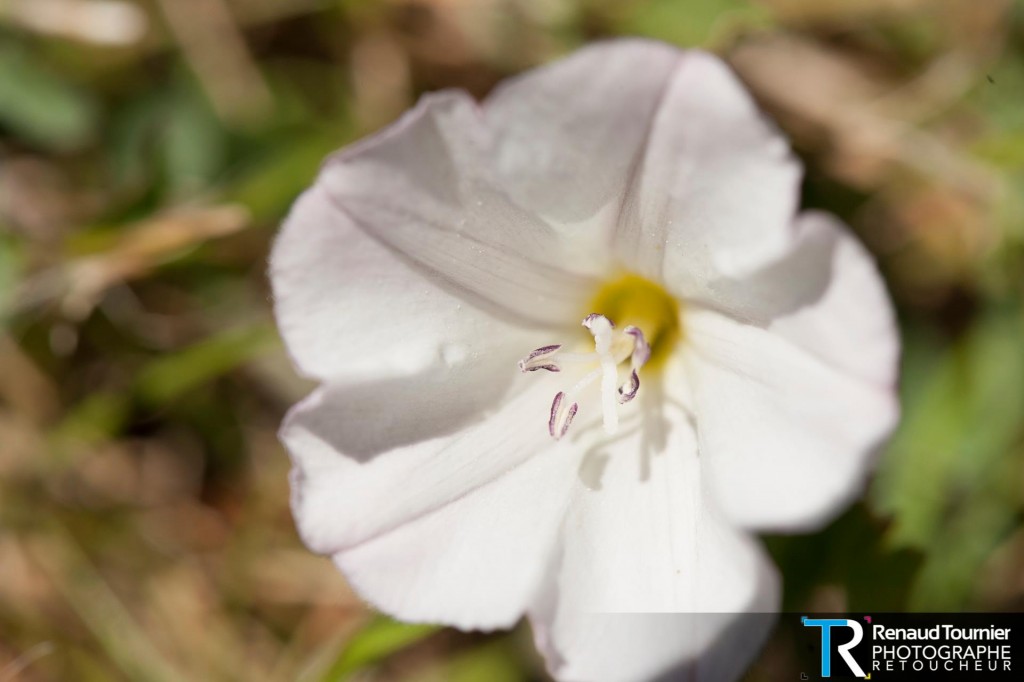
x,y
148,150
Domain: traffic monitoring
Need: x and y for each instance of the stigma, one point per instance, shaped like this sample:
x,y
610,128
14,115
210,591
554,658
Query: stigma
x,y
613,366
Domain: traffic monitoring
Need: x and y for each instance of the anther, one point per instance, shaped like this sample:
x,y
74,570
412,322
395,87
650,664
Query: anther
x,y
542,358
560,419
612,348
627,394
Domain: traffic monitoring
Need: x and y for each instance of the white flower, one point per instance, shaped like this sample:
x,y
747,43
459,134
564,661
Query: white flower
x,y
432,266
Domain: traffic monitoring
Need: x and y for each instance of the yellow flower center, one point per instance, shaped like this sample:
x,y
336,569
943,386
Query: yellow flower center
x,y
633,324
633,300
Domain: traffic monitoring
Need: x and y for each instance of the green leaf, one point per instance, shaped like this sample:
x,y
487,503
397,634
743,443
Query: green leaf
x,y
919,462
10,271
699,22
493,662
949,478
985,518
1004,150
38,105
270,186
379,639
95,419
171,376
131,143
194,142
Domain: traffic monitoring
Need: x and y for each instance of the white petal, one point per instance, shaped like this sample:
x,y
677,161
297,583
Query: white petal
x,y
437,508
851,325
662,647
476,562
349,307
646,559
424,188
717,188
568,135
826,296
786,437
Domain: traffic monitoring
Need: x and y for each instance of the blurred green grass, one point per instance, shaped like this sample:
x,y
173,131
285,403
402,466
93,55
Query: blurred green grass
x,y
144,526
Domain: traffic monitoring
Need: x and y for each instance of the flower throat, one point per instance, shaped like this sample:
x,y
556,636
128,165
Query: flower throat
x,y
648,329
633,300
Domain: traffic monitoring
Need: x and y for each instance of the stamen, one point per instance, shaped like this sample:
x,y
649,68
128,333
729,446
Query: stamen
x,y
540,359
641,349
584,382
560,419
601,328
611,349
641,353
625,395
553,419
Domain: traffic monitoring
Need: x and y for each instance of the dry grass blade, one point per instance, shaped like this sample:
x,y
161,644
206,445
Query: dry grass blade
x,y
99,608
77,285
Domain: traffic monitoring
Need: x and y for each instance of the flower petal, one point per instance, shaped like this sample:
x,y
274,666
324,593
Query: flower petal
x,y
424,189
826,296
569,134
350,307
436,507
788,425
851,324
651,580
665,647
476,562
717,188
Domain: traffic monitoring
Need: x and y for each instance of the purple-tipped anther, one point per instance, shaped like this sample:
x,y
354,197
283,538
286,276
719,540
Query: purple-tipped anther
x,y
612,349
568,418
627,394
540,359
641,349
556,430
590,319
555,404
